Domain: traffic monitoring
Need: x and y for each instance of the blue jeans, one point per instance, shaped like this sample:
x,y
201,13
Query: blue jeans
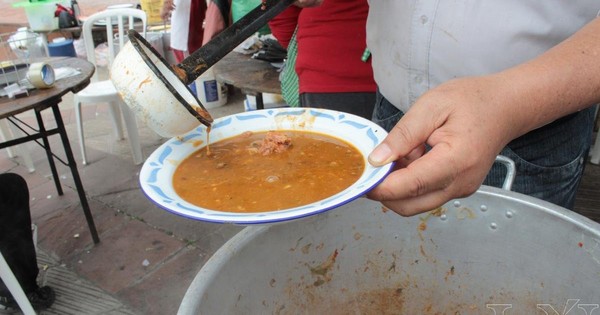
x,y
549,160
357,103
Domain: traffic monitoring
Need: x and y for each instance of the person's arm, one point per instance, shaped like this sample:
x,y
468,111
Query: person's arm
x,y
283,25
167,8
468,121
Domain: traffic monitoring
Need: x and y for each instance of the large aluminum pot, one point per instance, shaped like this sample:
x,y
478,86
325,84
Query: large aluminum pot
x,y
495,252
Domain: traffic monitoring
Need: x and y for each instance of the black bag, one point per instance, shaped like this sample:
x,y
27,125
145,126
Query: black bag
x,y
66,17
66,20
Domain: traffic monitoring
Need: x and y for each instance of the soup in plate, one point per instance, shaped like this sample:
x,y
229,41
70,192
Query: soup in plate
x,y
268,171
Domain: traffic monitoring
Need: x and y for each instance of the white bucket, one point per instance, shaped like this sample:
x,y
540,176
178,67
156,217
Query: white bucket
x,y
270,100
211,92
40,15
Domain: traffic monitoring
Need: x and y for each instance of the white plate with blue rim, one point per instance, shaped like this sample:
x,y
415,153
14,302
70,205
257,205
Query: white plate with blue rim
x,y
156,176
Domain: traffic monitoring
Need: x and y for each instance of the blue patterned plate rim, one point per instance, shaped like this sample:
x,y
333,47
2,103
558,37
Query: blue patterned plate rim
x,y
157,171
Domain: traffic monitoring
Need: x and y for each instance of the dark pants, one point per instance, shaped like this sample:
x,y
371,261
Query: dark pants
x,y
549,160
357,103
16,239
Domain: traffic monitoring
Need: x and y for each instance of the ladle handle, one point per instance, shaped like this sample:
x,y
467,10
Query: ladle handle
x,y
207,55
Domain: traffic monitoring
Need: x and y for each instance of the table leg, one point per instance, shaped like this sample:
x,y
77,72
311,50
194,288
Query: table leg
x,y
73,166
259,101
42,131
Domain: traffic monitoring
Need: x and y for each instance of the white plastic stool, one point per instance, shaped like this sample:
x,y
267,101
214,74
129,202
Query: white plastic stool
x,y
14,287
103,91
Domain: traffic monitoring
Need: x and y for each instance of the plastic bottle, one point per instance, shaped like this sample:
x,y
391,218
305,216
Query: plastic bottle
x,y
211,93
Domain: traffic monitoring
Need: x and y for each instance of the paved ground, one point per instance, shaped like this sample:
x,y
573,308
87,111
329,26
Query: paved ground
x,y
146,258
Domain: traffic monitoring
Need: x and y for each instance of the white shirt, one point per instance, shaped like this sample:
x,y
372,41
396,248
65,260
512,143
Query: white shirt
x,y
416,45
180,24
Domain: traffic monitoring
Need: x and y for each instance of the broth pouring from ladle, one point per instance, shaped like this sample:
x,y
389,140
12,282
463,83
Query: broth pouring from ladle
x,y
170,83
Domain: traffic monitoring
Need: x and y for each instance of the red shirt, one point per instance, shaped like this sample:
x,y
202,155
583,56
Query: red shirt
x,y
331,41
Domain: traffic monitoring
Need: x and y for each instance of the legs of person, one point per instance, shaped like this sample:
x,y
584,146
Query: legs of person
x,y
16,240
550,160
179,55
358,103
16,244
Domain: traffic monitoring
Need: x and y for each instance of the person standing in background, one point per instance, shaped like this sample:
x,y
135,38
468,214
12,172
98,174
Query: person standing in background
x,y
332,64
460,82
218,18
187,18
17,245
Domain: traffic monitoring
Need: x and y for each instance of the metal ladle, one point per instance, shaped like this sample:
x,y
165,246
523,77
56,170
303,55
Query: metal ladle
x,y
194,65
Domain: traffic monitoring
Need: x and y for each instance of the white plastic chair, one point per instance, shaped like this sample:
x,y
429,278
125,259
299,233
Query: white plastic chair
x,y
11,282
7,132
104,91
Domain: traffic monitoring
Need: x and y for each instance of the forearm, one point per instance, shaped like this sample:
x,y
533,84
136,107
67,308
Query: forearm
x,y
563,80
165,11
283,25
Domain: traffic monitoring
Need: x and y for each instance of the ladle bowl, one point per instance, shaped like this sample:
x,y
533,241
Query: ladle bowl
x,y
155,103
158,93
